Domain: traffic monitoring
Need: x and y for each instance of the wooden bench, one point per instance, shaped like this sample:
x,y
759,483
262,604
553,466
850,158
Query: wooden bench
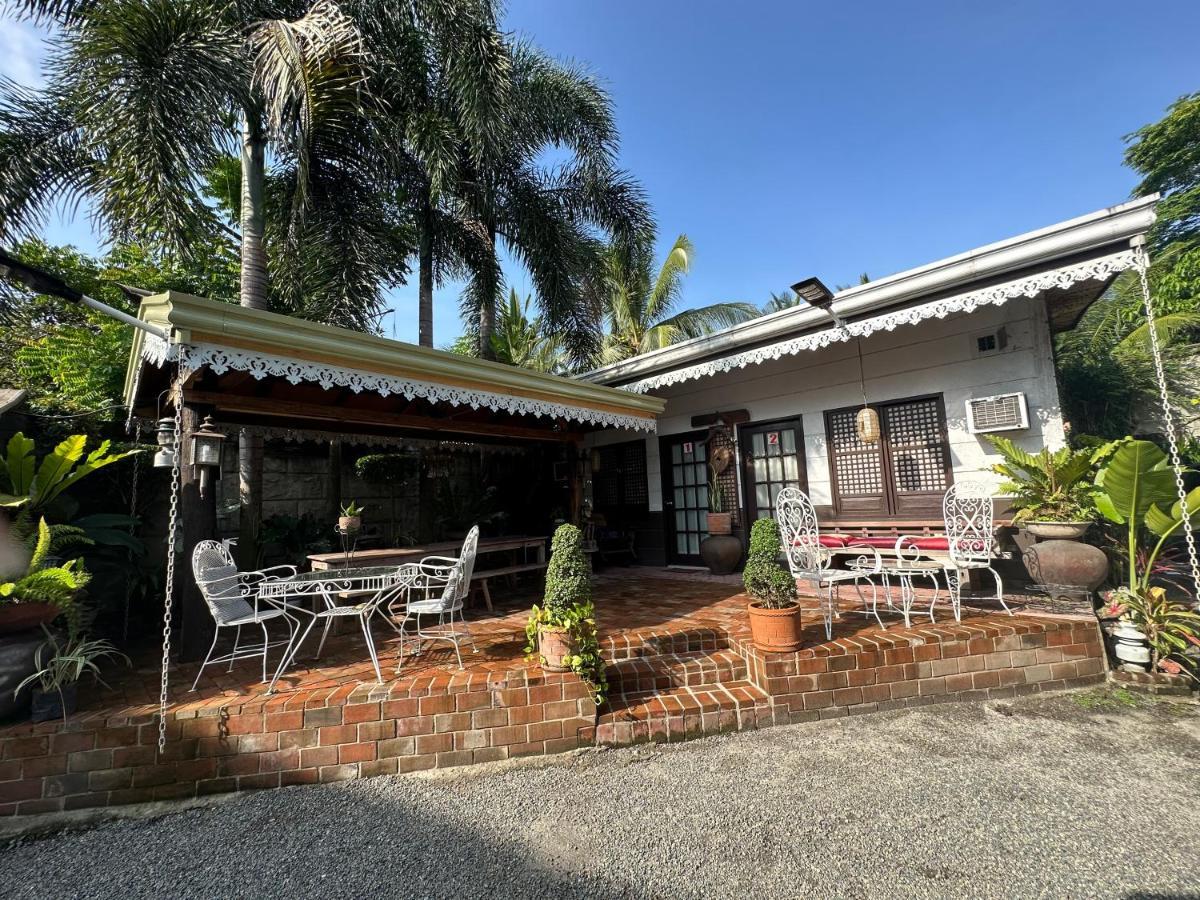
x,y
479,579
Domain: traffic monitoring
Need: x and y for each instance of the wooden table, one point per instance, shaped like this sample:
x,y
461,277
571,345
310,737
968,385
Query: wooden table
x,y
398,556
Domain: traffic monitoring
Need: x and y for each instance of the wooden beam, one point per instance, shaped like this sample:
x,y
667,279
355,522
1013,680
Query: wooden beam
x,y
729,417
318,413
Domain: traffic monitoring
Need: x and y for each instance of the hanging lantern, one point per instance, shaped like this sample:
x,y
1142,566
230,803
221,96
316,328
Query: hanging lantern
x,y
867,425
596,460
206,452
165,436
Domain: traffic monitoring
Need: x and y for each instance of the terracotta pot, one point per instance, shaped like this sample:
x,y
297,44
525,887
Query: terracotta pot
x,y
1069,564
1058,531
721,553
16,617
349,524
554,646
775,630
720,523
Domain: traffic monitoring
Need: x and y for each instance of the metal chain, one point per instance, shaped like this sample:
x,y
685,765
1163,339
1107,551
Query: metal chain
x,y
1142,262
172,525
133,501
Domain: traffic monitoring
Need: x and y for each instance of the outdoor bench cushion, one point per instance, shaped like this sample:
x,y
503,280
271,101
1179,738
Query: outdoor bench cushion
x,y
838,541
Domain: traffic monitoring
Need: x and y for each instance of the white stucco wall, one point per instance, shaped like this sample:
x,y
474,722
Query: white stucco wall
x,y
937,356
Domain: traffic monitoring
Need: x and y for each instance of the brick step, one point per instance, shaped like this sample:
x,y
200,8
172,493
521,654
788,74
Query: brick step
x,y
648,674
682,713
635,645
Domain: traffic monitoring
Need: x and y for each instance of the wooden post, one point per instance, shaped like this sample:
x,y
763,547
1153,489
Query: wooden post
x,y
198,522
575,484
333,508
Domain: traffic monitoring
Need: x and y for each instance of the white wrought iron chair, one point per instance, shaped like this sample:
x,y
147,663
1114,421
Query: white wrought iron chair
x,y
811,562
970,534
233,600
437,586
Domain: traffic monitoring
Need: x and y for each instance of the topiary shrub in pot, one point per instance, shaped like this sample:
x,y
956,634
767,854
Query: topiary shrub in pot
x,y
561,633
774,612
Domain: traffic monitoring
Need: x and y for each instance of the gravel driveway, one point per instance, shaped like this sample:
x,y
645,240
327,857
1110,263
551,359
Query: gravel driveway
x,y
1075,795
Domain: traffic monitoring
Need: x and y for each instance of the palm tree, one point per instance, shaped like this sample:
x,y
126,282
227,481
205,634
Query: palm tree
x,y
147,96
786,299
639,305
548,217
522,341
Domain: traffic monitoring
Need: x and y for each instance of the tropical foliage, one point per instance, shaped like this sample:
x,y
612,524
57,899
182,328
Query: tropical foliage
x,y
1105,367
1137,490
58,664
640,306
520,340
1048,486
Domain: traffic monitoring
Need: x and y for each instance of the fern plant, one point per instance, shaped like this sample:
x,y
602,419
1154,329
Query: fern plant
x,y
1048,486
56,585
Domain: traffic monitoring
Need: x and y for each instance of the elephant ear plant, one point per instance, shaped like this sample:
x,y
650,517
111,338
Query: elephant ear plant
x,y
1137,491
567,611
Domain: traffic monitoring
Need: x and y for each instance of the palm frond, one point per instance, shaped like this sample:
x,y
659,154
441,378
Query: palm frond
x,y
150,84
703,320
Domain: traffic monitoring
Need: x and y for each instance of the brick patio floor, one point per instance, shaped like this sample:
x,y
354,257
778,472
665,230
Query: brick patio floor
x,y
681,664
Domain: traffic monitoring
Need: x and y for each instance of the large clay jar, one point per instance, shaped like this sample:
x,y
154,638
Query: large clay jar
x,y
775,630
1068,564
721,553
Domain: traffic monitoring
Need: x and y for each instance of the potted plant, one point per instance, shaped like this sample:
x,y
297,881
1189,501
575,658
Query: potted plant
x,y
774,612
350,521
59,666
719,520
561,633
42,592
721,550
1052,493
1136,490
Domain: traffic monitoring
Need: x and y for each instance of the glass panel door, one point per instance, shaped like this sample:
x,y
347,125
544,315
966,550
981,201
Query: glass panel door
x,y
685,497
772,459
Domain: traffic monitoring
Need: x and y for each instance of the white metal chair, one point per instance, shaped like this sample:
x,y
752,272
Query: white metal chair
x,y
437,586
810,561
970,534
233,600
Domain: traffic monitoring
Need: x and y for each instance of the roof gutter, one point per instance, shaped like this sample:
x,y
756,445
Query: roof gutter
x,y
1096,230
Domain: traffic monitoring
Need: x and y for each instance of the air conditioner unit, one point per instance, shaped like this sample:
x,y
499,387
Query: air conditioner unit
x,y
1004,412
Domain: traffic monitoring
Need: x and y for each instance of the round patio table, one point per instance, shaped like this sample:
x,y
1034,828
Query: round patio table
x,y
376,583
903,571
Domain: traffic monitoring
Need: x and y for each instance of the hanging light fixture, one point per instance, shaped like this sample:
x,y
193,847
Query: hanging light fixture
x,y
164,433
813,292
206,452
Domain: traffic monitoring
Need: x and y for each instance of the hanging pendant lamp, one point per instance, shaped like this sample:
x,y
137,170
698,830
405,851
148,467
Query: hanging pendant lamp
x,y
867,421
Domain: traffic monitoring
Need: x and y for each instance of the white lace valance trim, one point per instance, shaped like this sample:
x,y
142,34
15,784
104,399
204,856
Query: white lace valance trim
x,y
1093,270
260,365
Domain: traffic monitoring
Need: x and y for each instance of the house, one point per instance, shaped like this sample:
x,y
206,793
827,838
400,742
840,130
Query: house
x,y
944,353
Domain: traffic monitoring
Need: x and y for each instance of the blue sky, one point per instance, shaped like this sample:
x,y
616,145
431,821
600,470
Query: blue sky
x,y
790,139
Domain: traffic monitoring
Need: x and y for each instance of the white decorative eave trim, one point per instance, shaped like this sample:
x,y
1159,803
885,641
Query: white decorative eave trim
x,y
1099,269
261,365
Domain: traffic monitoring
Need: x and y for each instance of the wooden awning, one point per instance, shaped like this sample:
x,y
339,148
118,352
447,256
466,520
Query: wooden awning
x,y
263,368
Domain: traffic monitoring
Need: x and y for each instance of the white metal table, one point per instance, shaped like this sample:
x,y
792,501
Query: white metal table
x,y
376,583
903,570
